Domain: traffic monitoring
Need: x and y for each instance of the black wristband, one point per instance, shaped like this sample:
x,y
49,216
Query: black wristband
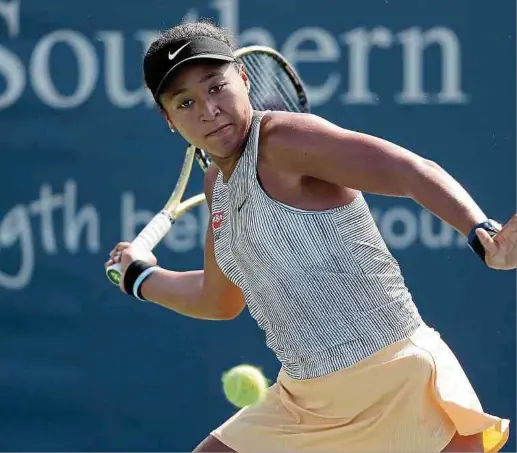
x,y
133,271
473,241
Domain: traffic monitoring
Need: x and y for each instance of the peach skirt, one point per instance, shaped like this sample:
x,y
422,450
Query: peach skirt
x,y
412,396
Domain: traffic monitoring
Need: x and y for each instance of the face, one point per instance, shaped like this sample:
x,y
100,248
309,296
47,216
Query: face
x,y
208,105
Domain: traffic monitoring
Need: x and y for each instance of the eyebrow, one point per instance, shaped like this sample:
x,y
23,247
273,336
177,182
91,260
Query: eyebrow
x,y
203,79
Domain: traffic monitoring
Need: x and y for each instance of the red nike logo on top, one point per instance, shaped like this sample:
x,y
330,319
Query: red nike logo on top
x,y
217,219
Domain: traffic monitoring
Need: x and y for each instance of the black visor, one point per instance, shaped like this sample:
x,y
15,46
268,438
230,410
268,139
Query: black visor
x,y
160,66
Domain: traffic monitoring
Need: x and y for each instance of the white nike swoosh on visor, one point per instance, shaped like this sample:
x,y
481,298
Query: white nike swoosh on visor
x,y
174,55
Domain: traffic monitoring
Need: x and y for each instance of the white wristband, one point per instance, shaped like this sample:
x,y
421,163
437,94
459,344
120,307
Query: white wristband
x,y
141,279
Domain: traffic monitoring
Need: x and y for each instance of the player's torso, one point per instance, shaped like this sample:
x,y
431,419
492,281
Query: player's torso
x,y
308,275
270,240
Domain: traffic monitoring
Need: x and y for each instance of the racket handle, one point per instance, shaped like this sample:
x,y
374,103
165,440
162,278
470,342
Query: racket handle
x,y
147,240
154,231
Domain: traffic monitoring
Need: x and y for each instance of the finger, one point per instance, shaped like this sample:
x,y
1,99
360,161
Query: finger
x,y
108,263
120,246
509,230
487,242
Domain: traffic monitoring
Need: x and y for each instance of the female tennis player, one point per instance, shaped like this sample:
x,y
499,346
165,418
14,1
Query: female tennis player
x,y
292,239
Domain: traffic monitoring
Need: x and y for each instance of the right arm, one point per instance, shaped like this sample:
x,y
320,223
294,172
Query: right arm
x,y
203,294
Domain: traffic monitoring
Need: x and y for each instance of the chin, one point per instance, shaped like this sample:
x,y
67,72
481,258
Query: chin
x,y
224,153
228,147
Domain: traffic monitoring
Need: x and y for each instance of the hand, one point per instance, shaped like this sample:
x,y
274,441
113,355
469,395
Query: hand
x,y
125,253
501,250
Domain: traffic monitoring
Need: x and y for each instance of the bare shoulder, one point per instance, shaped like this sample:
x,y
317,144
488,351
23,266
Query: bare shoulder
x,y
276,130
209,183
280,122
293,130
285,136
277,123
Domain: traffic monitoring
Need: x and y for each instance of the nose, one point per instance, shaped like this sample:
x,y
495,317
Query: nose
x,y
209,111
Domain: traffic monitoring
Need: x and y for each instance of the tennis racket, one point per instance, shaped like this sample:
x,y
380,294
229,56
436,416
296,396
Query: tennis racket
x,y
274,85
162,222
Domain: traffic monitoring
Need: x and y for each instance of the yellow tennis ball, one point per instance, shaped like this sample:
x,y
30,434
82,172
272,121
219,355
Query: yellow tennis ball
x,y
244,385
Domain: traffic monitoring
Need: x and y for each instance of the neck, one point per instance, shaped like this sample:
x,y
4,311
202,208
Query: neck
x,y
227,168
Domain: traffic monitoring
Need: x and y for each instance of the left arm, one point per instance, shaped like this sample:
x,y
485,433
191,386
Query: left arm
x,y
312,146
359,161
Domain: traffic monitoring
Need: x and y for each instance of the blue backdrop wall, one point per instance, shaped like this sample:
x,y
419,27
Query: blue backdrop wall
x,y
85,160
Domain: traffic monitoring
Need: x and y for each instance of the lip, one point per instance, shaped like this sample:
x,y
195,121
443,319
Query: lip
x,y
218,130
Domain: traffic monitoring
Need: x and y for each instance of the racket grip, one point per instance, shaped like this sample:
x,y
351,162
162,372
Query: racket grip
x,y
147,240
154,231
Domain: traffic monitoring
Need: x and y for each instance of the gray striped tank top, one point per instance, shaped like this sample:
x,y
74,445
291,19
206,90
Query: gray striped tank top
x,y
322,285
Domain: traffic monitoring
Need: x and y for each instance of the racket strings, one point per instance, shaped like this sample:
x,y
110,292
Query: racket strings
x,y
271,87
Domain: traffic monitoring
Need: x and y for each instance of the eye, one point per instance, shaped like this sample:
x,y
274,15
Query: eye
x,y
217,88
185,104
